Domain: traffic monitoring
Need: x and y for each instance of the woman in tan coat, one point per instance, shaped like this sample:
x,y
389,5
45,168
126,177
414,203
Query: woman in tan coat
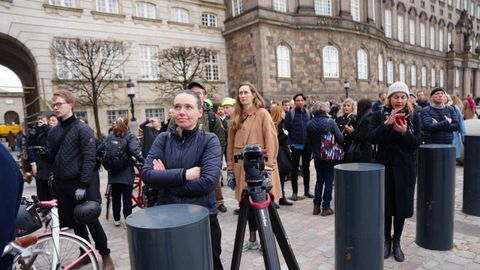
x,y
251,124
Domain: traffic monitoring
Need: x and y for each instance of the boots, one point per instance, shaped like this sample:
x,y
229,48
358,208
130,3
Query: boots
x,y
316,209
107,263
387,247
294,197
397,251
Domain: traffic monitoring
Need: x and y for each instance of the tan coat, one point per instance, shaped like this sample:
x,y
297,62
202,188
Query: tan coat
x,y
467,112
258,128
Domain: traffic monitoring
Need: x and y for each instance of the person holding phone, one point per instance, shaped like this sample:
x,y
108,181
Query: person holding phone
x,y
396,131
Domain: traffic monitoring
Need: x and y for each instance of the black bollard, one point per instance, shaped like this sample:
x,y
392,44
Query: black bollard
x,y
359,215
471,176
435,196
174,236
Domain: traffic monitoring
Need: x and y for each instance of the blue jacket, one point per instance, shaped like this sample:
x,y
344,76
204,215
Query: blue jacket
x,y
297,128
316,128
442,131
179,153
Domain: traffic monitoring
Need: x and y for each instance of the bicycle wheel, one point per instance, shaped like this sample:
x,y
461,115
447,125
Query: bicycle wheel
x,y
73,253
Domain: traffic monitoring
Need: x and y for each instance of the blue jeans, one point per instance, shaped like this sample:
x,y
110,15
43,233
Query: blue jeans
x,y
324,177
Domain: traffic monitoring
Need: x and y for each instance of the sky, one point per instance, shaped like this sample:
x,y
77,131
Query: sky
x,y
8,78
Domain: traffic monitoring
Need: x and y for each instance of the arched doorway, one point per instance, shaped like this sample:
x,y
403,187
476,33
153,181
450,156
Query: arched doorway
x,y
11,117
18,58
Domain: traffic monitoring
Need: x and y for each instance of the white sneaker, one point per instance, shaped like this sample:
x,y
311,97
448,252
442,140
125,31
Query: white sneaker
x,y
251,246
116,223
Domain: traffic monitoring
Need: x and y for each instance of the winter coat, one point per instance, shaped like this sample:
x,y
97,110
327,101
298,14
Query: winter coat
x,y
149,135
127,175
284,159
44,168
459,136
361,138
343,121
179,153
258,128
467,111
297,128
316,128
397,153
442,131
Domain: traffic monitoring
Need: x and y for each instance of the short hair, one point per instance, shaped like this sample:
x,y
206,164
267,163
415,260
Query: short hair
x,y
65,94
320,107
285,101
196,84
193,94
380,94
299,95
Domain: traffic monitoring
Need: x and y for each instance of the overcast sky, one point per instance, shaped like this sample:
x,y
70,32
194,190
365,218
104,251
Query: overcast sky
x,y
8,78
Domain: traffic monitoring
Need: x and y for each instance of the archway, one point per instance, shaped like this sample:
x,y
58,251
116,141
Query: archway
x,y
18,58
11,117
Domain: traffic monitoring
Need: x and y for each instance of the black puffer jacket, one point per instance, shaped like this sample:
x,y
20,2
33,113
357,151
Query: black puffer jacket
x,y
73,158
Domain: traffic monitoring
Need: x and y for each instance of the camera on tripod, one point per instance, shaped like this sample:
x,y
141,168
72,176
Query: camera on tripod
x,y
254,164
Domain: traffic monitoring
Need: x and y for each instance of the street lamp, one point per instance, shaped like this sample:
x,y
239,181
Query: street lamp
x,y
131,95
346,85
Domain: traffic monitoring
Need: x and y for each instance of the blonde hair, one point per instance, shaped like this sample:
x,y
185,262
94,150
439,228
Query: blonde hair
x,y
258,102
456,101
408,105
352,103
277,115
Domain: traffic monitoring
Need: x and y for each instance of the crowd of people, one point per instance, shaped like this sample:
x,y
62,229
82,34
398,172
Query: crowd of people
x,y
184,154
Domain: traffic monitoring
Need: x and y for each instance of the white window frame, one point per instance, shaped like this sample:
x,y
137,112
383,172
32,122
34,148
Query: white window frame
x,y
450,2
66,69
149,64
179,15
390,72
355,10
457,78
422,35
388,23
400,32
441,77
380,67
63,3
362,64
112,115
283,61
209,19
449,40
331,60
117,73
159,113
280,5
212,66
323,7
433,77
237,7
440,39
108,6
472,9
432,37
413,75
411,27
465,5
457,4
146,10
424,76
401,72
478,11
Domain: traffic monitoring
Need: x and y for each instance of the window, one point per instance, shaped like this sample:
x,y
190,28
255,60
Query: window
x,y
63,3
237,7
111,54
472,9
450,2
432,82
457,4
441,78
380,68
149,62
66,70
465,5
211,66
81,114
362,65
449,39
209,20
330,62
424,76
457,78
158,113
412,31
478,11
400,27
471,45
146,10
355,9
413,75
179,15
323,7
374,11
113,115
401,72
389,72
432,37
283,61
280,5
440,40
108,6
422,35
388,23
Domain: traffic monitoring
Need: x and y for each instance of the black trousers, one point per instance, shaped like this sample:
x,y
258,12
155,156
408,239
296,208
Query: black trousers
x,y
306,156
216,234
43,190
65,193
121,192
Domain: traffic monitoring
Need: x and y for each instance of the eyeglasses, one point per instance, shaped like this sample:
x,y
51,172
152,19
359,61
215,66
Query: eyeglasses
x,y
58,104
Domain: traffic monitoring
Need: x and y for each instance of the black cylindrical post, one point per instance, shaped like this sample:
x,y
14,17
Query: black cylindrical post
x,y
174,236
471,176
435,196
359,216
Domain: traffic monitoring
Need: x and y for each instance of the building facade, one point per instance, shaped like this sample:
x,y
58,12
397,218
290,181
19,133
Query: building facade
x,y
11,107
28,30
326,48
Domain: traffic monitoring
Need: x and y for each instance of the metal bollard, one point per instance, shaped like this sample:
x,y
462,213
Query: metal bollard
x,y
471,176
174,236
435,196
359,215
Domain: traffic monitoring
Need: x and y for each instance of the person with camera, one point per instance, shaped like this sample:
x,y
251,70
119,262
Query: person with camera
x,y
71,150
396,130
150,130
117,151
346,121
251,124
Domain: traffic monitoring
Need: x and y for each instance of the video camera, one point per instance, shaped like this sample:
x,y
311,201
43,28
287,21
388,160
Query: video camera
x,y
253,164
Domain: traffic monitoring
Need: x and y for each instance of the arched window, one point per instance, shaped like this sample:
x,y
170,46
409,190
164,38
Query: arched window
x,y
380,68
424,76
422,35
389,72
411,26
323,7
441,78
388,23
440,39
179,15
400,27
355,9
107,6
283,61
413,75
432,37
330,62
362,65
401,72
433,79
146,10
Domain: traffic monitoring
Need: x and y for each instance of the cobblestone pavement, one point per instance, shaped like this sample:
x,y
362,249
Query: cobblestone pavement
x,y
312,237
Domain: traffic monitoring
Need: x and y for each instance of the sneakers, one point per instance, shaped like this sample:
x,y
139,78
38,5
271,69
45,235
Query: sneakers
x,y
222,208
116,223
251,246
326,212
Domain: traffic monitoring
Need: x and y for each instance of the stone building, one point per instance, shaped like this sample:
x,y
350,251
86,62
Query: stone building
x,y
321,47
28,30
11,107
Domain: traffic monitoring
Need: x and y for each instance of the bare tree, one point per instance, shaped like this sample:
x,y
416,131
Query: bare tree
x,y
88,68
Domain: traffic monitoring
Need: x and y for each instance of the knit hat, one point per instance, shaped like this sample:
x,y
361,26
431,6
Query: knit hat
x,y
436,89
397,87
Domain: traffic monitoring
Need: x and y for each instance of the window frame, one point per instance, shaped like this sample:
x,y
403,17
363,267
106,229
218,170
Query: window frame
x,y
147,7
110,6
401,72
322,5
388,23
423,38
209,19
380,68
411,31
362,64
284,64
279,5
237,7
114,114
355,10
62,3
212,66
180,15
331,72
149,65
400,28
390,72
413,75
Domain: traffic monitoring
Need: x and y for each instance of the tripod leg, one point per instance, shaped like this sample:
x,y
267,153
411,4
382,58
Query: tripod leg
x,y
240,233
267,239
282,239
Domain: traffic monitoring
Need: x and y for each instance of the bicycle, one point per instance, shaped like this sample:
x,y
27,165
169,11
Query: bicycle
x,y
55,249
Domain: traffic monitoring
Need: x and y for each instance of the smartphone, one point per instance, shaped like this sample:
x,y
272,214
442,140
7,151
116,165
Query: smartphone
x,y
400,118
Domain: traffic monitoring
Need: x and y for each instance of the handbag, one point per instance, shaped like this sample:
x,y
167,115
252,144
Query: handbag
x,y
354,153
330,149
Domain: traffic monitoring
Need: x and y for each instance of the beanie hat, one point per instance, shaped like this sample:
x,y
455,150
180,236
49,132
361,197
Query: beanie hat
x,y
398,87
437,89
228,101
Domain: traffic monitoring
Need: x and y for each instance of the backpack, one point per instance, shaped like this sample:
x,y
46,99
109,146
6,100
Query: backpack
x,y
212,118
292,114
330,149
115,157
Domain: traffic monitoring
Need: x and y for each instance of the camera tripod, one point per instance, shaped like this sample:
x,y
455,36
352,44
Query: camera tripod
x,y
257,199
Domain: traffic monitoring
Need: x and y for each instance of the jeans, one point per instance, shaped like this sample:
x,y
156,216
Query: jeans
x,y
306,156
324,177
121,192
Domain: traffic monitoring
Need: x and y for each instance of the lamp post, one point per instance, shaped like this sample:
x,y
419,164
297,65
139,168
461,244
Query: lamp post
x,y
346,85
131,95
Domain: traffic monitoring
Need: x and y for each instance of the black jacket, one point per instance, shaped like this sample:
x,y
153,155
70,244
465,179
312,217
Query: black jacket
x,y
73,159
316,128
342,121
149,136
361,138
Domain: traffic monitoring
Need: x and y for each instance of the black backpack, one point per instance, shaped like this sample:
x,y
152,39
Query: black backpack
x,y
115,157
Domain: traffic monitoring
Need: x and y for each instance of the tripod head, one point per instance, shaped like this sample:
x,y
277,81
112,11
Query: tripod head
x,y
254,164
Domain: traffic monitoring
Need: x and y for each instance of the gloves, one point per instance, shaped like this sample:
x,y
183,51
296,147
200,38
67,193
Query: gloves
x,y
80,194
231,183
